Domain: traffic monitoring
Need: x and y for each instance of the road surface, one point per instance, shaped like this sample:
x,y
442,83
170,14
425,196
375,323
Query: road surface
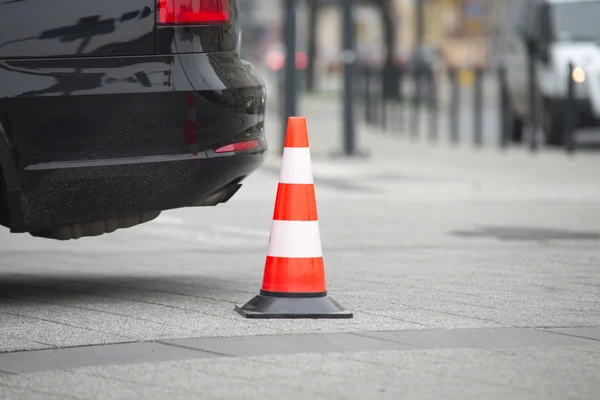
x,y
471,274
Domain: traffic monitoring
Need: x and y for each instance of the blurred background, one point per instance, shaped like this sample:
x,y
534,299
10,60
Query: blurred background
x,y
483,72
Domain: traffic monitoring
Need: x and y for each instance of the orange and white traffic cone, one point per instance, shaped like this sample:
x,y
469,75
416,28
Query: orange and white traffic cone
x,y
294,275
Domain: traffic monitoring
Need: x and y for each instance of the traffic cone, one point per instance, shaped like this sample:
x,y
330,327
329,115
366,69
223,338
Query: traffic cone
x,y
294,275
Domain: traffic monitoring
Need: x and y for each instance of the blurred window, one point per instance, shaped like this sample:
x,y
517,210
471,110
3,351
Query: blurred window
x,y
575,21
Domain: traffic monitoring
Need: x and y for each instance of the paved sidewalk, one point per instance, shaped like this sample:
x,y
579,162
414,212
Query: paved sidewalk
x,y
489,173
472,274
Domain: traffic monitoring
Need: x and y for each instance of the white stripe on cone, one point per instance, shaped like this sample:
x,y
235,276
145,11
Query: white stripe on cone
x,y
295,239
296,166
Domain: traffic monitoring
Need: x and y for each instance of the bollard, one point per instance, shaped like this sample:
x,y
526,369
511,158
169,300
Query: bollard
x,y
383,108
401,99
533,112
367,93
418,94
390,77
571,117
433,104
504,110
349,58
454,104
478,108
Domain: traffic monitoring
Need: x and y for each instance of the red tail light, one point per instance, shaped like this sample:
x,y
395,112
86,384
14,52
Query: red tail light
x,y
183,12
239,146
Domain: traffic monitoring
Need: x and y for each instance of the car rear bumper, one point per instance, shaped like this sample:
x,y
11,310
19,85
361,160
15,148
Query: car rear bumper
x,y
76,194
101,137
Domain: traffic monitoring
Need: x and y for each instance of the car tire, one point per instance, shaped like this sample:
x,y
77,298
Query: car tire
x,y
552,123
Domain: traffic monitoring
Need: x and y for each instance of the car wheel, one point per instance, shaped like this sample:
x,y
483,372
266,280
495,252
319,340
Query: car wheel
x,y
552,122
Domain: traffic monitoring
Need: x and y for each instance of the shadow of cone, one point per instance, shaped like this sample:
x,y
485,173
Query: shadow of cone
x,y
294,275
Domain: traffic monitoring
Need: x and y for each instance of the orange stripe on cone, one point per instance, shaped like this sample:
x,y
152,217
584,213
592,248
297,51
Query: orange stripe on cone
x,y
294,275
295,203
296,133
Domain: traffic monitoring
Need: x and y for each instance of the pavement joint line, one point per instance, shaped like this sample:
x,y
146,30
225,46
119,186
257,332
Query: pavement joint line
x,y
479,338
92,310
64,324
134,301
446,312
79,346
6,372
216,353
568,334
32,341
361,334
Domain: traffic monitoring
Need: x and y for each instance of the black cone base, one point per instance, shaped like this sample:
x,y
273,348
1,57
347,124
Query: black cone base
x,y
293,307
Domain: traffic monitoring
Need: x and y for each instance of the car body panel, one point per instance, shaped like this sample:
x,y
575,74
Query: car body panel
x,y
114,108
67,28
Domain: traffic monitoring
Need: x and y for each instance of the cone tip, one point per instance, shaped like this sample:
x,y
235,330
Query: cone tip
x,y
297,132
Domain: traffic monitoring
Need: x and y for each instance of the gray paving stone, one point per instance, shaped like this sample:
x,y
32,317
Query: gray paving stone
x,y
261,390
11,344
167,375
79,357
247,369
12,393
51,334
67,385
535,373
260,345
479,338
589,333
248,346
102,322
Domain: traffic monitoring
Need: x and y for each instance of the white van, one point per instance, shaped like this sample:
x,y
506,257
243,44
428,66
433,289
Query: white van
x,y
558,32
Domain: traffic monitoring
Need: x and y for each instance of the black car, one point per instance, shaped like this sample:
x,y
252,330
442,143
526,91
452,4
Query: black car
x,y
112,111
